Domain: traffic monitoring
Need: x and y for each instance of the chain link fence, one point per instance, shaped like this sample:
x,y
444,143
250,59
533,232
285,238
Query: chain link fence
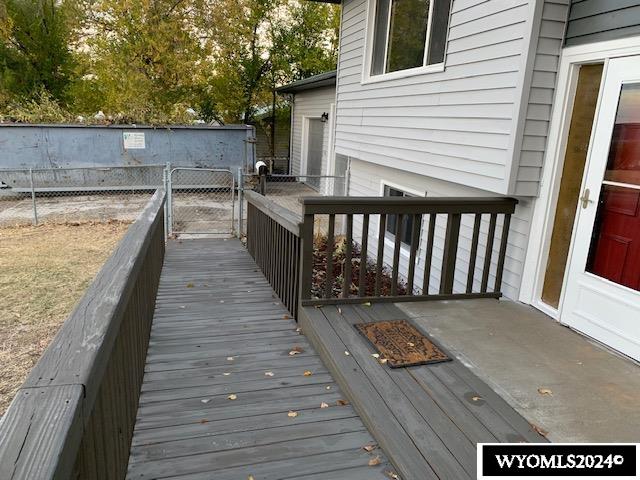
x,y
202,201
32,196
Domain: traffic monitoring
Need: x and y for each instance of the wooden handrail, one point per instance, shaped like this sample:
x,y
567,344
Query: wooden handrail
x,y
285,217
74,415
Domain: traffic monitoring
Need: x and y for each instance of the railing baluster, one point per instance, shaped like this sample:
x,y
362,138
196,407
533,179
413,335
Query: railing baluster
x,y
306,257
363,255
474,252
396,255
450,253
328,286
429,254
380,255
415,243
503,252
346,284
488,253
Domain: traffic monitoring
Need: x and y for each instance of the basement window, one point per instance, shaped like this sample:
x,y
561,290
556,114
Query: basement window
x,y
406,229
408,34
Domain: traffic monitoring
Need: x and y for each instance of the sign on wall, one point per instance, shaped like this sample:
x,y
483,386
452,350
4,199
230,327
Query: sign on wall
x,y
133,140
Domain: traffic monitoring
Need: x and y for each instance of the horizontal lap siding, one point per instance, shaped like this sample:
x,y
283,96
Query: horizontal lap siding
x,y
454,125
600,20
310,103
365,181
540,99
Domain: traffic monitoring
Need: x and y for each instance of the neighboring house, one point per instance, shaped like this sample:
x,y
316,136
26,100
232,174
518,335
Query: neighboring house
x,y
312,126
476,98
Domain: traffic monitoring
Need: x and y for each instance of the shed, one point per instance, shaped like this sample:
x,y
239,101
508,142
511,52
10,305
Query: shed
x,y
312,125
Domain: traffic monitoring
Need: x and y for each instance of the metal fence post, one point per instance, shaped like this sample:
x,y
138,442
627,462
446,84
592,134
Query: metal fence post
x,y
169,201
33,198
240,201
165,173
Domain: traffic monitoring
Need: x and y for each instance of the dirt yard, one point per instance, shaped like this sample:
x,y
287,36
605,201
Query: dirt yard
x,y
44,271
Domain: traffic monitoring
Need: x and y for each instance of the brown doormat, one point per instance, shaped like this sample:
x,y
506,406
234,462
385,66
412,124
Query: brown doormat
x,y
401,343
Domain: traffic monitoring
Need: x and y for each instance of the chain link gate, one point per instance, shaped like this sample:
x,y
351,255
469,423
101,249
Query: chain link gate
x,y
200,201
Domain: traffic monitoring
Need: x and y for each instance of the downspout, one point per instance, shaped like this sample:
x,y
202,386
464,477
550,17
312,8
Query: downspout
x,y
292,115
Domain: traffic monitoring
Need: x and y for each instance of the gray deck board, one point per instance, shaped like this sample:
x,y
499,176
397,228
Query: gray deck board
x,y
438,412
216,315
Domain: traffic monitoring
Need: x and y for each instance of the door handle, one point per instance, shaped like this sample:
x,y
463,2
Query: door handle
x,y
585,198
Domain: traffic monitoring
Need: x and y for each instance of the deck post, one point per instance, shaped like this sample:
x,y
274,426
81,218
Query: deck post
x,y
306,254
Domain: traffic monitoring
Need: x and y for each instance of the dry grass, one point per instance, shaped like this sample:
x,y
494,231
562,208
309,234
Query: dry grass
x,y
44,271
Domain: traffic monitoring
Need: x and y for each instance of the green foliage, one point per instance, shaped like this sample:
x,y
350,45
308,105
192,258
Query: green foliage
x,y
34,47
152,61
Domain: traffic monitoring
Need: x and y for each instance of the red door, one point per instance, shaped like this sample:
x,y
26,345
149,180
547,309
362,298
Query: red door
x,y
615,248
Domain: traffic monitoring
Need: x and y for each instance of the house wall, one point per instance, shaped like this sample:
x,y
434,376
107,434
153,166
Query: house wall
x,y
367,179
598,20
472,123
309,103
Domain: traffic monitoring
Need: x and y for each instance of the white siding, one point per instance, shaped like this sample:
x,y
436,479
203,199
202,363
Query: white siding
x,y
366,180
310,103
540,98
460,124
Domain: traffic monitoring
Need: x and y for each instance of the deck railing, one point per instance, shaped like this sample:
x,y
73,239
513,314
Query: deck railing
x,y
297,253
74,415
414,216
273,240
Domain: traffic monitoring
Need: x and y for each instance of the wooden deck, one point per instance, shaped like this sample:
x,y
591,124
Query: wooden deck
x,y
428,419
217,330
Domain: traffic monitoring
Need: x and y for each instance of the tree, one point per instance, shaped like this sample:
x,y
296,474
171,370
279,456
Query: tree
x,y
35,55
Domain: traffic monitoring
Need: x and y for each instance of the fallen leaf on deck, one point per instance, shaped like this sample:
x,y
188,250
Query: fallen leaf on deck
x,y
545,391
233,396
226,374
230,359
296,350
328,387
250,477
383,361
339,310
307,373
375,355
374,461
286,317
342,403
324,405
269,374
538,430
346,353
367,304
411,344
299,329
476,398
369,448
182,306
205,400
221,301
292,414
392,475
204,420
189,285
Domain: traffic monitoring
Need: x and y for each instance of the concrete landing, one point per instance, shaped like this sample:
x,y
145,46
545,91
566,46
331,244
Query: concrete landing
x,y
594,393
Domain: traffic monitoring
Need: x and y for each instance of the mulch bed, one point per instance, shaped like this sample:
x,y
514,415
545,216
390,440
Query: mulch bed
x,y
338,264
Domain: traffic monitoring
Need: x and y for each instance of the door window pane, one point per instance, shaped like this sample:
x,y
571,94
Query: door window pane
x,y
407,34
624,155
614,253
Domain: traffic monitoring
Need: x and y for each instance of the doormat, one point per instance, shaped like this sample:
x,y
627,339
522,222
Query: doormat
x,y
401,343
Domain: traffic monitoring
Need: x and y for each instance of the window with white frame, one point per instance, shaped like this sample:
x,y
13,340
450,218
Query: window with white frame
x,y
408,34
406,228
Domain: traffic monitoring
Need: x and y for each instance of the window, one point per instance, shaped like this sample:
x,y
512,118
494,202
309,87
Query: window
x,y
406,229
408,34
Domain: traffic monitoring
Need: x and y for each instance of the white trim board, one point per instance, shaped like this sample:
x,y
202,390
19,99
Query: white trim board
x,y
545,206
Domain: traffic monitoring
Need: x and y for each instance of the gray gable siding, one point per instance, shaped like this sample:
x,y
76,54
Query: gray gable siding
x,y
537,114
458,125
598,20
